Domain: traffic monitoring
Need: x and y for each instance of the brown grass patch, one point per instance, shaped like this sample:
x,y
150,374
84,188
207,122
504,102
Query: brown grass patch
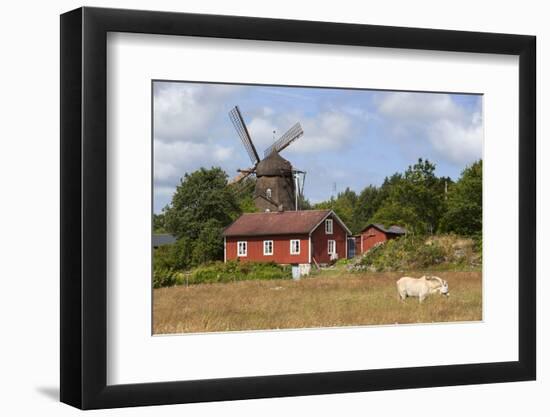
x,y
328,300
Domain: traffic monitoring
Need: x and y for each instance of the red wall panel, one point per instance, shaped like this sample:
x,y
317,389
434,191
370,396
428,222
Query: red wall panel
x,y
371,237
281,249
319,242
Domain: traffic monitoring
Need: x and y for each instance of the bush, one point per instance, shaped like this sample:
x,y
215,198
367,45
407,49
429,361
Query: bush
x,y
219,272
176,256
416,252
164,277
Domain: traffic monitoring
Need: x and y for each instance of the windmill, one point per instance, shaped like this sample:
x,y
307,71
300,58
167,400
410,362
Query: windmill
x,y
277,182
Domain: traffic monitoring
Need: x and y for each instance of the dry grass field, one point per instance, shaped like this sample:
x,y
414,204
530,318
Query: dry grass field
x,y
331,298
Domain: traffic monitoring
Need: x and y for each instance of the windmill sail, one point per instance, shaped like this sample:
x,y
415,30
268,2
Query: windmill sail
x,y
290,136
240,127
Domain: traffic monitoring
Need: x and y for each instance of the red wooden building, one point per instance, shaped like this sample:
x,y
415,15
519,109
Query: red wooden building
x,y
376,233
302,237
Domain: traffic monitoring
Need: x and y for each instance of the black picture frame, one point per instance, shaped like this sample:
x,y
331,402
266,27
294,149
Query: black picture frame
x,y
84,207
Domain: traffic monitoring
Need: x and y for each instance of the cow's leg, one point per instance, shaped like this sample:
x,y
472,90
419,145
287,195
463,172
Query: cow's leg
x,y
421,298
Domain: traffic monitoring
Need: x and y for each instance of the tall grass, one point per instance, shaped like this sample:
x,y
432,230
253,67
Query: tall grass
x,y
322,301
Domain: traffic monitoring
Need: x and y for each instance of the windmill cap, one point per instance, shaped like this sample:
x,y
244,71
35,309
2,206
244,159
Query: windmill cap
x,y
273,165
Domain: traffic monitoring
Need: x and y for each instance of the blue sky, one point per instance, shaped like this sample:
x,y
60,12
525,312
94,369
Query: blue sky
x,y
352,138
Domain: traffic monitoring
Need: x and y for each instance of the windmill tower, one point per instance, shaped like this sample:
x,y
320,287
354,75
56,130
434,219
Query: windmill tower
x,y
277,182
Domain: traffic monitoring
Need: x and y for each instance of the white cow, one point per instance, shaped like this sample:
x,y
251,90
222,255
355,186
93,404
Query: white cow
x,y
421,287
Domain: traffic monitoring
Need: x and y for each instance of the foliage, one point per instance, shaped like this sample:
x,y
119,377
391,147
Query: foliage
x,y
416,200
164,277
219,272
176,256
201,197
367,204
158,223
464,206
207,247
201,207
343,205
303,203
415,252
244,194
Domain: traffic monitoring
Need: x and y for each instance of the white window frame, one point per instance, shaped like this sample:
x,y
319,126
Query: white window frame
x,y
334,246
327,223
244,243
272,248
292,252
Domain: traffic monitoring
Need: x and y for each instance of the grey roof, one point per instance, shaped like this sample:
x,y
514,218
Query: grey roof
x,y
395,230
163,239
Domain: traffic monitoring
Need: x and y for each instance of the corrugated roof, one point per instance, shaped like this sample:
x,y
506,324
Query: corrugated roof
x,y
396,230
163,239
276,223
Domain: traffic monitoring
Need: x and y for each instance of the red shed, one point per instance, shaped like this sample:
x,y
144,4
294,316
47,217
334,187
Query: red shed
x,y
377,233
288,237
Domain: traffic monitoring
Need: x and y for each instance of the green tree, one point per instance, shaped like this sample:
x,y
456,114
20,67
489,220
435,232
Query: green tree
x,y
244,194
415,200
209,245
367,204
158,223
176,256
201,207
201,197
343,205
465,204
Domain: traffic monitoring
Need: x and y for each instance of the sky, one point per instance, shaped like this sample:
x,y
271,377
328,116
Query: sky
x,y
352,138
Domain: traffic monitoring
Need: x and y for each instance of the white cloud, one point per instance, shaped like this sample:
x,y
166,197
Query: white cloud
x,y
174,159
453,130
184,112
458,143
322,132
187,134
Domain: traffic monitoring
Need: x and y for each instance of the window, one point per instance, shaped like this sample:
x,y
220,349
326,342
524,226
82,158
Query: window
x,y
241,248
268,247
268,193
294,247
328,226
331,247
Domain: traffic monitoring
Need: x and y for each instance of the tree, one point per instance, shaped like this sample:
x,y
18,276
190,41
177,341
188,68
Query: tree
x,y
244,193
415,200
367,204
465,203
158,223
201,207
209,244
343,205
200,197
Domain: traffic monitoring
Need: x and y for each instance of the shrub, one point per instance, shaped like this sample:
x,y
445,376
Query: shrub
x,y
219,272
416,252
164,277
176,256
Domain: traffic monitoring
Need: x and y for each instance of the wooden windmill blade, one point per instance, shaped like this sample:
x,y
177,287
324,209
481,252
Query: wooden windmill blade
x,y
242,131
290,136
243,173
